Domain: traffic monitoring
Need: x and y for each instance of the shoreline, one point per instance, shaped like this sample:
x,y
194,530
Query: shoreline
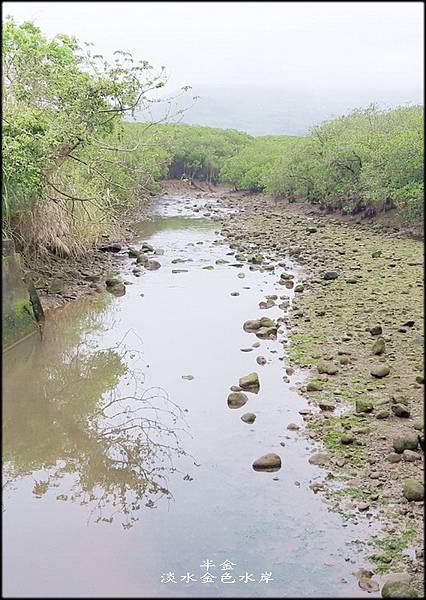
x,y
333,330
329,337
62,280
82,276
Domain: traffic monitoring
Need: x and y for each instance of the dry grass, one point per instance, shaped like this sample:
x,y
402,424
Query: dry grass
x,y
60,229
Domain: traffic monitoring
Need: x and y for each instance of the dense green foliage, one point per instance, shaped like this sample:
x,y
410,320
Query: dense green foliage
x,y
199,152
368,160
73,161
62,137
250,169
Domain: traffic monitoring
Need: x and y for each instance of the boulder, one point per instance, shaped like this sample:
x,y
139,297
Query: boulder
x,y
132,252
363,405
236,399
266,333
380,371
383,414
376,330
393,457
398,585
250,382
410,456
313,387
253,325
378,346
408,441
152,265
330,275
400,410
414,490
365,580
327,367
112,281
319,458
326,406
248,417
400,399
268,462
267,322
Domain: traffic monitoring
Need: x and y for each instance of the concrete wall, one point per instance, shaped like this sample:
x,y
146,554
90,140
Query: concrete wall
x,y
18,318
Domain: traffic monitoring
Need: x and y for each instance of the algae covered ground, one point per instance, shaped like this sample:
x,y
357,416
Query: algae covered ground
x,y
356,326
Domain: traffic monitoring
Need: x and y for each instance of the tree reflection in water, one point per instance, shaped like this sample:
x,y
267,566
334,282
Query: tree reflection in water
x,y
70,421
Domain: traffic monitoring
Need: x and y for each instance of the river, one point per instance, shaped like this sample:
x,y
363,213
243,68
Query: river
x,y
124,478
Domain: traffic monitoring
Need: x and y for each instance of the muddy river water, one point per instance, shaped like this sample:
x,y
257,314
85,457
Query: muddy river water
x,y
124,478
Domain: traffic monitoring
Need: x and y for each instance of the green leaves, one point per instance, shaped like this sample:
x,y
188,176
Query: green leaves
x,y
199,152
59,102
369,158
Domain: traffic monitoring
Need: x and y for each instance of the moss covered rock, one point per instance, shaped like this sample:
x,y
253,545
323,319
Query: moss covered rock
x,y
380,371
414,490
236,399
398,585
362,405
250,382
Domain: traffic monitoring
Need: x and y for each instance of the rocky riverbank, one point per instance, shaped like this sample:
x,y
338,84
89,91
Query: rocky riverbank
x,y
356,326
59,280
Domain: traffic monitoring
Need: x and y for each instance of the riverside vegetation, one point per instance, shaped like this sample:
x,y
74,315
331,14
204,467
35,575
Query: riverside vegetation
x,y
73,162
75,167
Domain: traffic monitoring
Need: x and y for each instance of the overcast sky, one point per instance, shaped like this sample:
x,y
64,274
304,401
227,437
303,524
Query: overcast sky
x,y
311,45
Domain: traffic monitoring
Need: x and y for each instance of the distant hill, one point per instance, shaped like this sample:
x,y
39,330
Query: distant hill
x,y
276,111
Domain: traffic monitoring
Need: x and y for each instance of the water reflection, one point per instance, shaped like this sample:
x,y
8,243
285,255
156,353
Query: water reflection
x,y
77,418
114,447
178,224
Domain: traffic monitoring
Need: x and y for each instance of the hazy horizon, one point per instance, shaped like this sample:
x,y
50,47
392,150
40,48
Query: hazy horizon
x,y
261,67
272,110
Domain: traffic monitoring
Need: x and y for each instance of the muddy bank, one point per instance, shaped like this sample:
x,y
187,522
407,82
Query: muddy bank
x,y
356,326
60,280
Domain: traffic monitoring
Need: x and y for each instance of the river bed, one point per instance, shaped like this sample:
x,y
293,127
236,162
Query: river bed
x,y
127,474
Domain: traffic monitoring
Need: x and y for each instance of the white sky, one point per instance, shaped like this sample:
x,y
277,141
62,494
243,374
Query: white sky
x,y
310,45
